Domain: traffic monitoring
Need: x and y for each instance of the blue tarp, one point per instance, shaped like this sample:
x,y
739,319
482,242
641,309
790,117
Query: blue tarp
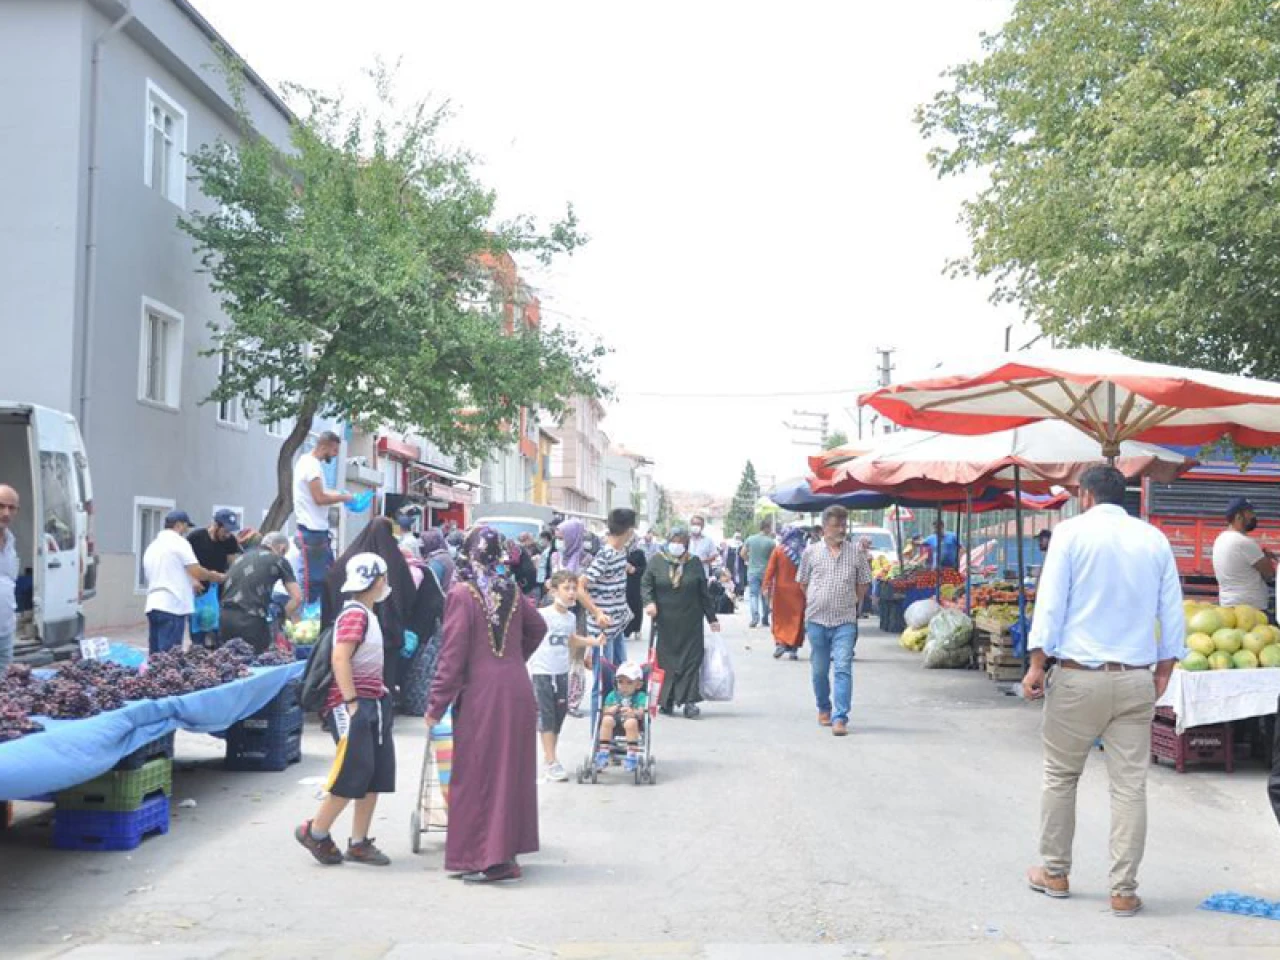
x,y
70,752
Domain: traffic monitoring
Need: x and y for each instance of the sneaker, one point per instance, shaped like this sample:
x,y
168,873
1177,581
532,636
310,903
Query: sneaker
x,y
691,711
840,728
366,852
602,759
795,654
555,771
752,625
326,851
778,651
631,763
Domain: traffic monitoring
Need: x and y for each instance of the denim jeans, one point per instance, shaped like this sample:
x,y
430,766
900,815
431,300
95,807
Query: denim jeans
x,y
832,646
756,597
317,558
166,630
6,651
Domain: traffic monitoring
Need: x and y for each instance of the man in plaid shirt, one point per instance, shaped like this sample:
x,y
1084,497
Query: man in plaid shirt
x,y
835,576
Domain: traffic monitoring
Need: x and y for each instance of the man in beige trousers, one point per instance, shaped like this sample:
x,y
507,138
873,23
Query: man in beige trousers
x,y
1107,581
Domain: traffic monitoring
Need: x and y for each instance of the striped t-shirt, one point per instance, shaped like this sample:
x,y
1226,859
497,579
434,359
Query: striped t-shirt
x,y
356,624
607,579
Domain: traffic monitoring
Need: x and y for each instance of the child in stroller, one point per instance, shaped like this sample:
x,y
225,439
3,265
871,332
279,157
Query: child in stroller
x,y
624,708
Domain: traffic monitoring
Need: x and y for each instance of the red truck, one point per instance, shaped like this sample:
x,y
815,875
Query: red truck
x,y
1191,512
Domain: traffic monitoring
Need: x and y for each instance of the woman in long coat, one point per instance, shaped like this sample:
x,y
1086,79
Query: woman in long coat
x,y
786,598
674,587
490,631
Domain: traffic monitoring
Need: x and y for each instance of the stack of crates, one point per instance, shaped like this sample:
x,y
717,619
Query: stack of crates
x,y
1211,744
271,739
119,809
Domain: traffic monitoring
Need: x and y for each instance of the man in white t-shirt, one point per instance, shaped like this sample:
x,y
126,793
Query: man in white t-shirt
x,y
172,572
311,503
1244,570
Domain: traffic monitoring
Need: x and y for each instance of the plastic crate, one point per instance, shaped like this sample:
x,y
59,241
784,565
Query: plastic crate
x,y
162,747
104,830
1212,744
120,791
271,749
302,650
287,720
284,701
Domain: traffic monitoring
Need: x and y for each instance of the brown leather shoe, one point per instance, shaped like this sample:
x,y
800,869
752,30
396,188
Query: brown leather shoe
x,y
1051,885
824,719
1126,906
840,729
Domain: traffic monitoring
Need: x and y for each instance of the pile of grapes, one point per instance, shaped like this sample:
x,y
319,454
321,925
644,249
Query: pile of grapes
x,y
274,658
85,688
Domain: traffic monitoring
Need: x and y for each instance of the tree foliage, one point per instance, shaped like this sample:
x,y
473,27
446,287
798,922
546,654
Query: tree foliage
x,y
666,511
836,438
1131,153
742,511
351,268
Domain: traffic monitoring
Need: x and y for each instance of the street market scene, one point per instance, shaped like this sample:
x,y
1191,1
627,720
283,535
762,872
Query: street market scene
x,y
557,481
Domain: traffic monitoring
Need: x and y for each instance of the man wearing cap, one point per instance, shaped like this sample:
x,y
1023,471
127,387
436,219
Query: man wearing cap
x,y
1242,567
214,546
172,570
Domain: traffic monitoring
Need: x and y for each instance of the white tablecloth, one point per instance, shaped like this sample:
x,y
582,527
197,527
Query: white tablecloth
x,y
1216,696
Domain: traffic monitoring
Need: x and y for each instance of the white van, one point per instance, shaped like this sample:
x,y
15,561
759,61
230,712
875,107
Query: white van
x,y
883,543
42,456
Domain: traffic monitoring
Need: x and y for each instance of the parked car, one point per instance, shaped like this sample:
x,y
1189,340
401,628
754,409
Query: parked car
x,y
883,543
42,456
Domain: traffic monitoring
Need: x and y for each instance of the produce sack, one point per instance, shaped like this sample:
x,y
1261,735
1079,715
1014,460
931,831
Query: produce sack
x,y
949,644
717,670
921,613
207,614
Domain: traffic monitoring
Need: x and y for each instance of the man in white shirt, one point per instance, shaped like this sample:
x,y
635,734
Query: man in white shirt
x,y
172,571
9,571
1107,581
1244,570
701,545
311,503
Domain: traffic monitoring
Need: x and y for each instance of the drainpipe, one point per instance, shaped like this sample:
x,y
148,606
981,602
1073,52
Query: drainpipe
x,y
91,217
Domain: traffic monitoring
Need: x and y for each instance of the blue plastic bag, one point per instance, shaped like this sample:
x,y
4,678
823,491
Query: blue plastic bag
x,y
410,644
206,616
360,503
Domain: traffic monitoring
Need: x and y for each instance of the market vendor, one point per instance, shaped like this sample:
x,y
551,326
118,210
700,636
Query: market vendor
x,y
1244,570
943,547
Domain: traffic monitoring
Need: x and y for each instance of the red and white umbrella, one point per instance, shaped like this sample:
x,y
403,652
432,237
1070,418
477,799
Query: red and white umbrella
x,y
1049,454
1104,394
823,464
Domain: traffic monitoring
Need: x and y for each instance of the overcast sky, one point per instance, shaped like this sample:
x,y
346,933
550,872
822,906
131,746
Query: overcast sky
x,y
761,211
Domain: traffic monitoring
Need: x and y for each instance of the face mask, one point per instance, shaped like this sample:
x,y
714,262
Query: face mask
x,y
453,551
386,592
1251,525
697,531
500,569
676,549
560,545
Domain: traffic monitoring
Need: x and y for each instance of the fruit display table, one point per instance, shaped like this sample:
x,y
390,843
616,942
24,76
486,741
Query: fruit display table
x,y
70,752
1200,698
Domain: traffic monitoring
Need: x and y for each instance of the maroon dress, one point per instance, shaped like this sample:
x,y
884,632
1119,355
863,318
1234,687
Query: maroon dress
x,y
493,793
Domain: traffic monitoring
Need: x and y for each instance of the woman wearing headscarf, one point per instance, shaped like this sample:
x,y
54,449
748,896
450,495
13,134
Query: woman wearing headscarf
x,y
419,670
785,596
637,563
676,597
570,538
438,558
490,631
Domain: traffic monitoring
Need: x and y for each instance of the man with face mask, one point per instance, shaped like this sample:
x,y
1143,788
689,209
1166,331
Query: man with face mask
x,y
311,503
701,545
1242,567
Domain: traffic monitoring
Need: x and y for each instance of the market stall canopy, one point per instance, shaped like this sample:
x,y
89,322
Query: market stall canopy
x,y
798,496
822,464
1050,453
1103,394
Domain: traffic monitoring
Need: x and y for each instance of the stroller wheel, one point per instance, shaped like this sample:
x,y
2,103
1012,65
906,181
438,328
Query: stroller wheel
x,y
415,832
581,779
653,771
595,775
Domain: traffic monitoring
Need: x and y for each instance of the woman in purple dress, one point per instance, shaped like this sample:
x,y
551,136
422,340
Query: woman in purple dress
x,y
490,630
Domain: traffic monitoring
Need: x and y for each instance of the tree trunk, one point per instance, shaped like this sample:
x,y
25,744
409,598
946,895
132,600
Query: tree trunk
x,y
282,506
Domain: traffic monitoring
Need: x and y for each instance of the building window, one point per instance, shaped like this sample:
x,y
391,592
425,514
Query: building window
x,y
160,355
231,410
165,169
148,521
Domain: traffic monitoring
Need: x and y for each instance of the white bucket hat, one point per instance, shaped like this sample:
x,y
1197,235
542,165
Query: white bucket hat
x,y
632,671
363,570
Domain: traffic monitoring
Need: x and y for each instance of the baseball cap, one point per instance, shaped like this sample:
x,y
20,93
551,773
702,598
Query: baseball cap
x,y
177,516
632,671
227,520
1238,504
362,571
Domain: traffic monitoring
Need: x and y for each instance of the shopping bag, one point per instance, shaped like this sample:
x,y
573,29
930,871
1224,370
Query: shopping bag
x,y
717,670
206,617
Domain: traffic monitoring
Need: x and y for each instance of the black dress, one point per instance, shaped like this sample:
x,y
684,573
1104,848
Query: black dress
x,y
682,611
638,562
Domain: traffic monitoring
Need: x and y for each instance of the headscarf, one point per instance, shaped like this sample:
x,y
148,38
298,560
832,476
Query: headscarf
x,y
795,539
397,611
573,532
677,564
482,553
436,553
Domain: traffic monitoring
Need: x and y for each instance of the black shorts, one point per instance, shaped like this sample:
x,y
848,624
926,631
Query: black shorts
x,y
552,694
366,760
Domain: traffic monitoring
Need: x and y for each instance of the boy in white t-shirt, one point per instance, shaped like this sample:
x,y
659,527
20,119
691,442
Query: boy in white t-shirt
x,y
549,666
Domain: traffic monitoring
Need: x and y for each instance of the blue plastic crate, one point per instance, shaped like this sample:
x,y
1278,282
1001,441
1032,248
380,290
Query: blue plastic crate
x,y
270,749
163,747
102,830
302,651
264,720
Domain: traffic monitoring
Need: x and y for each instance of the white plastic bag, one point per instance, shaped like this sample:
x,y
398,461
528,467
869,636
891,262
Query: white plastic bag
x,y
950,641
717,670
920,613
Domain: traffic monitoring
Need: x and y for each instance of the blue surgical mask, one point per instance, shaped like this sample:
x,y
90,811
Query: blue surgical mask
x,y
676,549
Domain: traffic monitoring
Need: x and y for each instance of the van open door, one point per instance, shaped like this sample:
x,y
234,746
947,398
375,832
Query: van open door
x,y
60,523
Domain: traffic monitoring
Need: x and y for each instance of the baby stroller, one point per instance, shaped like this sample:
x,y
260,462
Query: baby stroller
x,y
647,768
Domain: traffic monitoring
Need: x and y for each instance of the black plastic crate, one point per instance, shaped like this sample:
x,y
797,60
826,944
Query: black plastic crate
x,y
162,747
284,701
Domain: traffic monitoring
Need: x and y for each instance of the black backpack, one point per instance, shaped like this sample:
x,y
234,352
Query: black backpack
x,y
317,678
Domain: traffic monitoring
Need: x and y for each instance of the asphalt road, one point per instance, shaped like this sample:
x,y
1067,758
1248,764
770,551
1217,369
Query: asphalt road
x,y
765,836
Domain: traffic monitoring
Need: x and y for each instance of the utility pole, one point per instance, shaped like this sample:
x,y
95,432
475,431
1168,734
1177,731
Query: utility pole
x,y
885,370
822,429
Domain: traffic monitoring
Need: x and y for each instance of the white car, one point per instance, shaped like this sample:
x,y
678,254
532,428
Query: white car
x,y
883,542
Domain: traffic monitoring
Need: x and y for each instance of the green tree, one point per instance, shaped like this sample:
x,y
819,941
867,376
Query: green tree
x,y
837,438
666,510
352,270
1130,153
742,510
